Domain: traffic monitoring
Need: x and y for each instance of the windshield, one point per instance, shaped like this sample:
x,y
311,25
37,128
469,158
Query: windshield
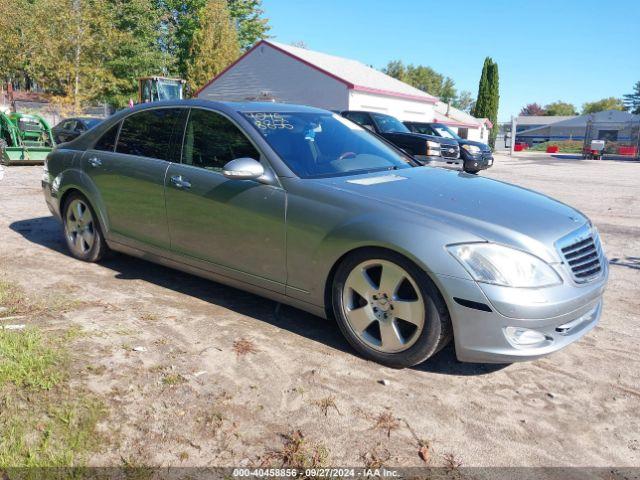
x,y
389,124
323,144
169,90
444,131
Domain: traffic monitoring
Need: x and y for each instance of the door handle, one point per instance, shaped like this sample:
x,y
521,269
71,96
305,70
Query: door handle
x,y
180,182
95,162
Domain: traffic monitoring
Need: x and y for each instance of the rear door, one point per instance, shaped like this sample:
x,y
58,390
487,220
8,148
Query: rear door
x,y
233,227
131,178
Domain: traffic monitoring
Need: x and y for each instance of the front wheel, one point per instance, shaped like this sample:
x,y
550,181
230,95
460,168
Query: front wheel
x,y
82,230
388,309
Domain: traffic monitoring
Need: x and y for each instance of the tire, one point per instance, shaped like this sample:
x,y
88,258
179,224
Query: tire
x,y
397,326
472,172
82,230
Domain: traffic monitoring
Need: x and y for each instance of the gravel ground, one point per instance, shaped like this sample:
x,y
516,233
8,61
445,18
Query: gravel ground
x,y
223,374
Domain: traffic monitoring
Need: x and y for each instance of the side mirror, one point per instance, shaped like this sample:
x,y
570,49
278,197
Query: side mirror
x,y
243,169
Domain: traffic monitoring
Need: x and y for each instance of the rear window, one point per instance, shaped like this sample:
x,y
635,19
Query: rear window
x,y
148,133
108,141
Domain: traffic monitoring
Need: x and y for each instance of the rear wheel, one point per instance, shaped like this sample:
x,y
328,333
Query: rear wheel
x,y
388,309
82,230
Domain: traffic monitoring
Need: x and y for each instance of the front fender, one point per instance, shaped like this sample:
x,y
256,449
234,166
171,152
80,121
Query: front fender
x,y
422,243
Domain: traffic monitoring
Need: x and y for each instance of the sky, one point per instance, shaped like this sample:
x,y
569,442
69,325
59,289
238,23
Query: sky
x,y
546,50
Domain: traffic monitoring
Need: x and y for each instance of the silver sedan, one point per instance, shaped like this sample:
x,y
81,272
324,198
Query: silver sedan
x,y
302,206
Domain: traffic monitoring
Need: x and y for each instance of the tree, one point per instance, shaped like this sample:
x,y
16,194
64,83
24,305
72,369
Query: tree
x,y
139,51
532,109
632,100
488,96
214,45
423,78
249,22
610,103
559,108
464,101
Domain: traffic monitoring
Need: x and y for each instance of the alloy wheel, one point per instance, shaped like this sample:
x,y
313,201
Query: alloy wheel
x,y
383,306
80,228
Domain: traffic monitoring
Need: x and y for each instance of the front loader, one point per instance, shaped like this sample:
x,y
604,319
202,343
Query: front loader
x,y
24,139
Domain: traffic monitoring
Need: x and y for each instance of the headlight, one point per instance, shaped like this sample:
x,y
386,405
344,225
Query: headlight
x,y
472,149
499,265
432,144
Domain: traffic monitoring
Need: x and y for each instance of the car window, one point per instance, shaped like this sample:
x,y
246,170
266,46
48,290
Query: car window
x,y
444,131
68,125
361,118
148,133
322,144
108,140
423,128
212,140
389,124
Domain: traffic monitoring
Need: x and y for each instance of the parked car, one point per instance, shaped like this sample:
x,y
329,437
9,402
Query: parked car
x,y
307,208
475,155
70,128
425,148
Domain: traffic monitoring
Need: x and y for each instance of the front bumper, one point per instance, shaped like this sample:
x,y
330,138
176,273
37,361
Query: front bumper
x,y
50,196
563,314
482,161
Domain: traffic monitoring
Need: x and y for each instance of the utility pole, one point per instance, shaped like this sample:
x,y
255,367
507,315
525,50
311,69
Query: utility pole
x,y
513,134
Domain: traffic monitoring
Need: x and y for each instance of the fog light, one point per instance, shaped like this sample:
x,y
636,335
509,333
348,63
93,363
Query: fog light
x,y
524,336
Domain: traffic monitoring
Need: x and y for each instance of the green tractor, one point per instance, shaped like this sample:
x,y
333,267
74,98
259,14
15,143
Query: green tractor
x,y
24,139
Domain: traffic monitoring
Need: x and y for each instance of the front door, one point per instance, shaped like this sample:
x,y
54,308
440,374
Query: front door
x,y
233,227
131,178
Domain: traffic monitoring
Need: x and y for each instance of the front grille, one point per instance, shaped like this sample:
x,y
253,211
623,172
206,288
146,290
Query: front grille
x,y
449,151
583,258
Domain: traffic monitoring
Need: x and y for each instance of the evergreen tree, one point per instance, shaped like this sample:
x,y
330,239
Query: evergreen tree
x,y
488,97
632,100
494,102
214,45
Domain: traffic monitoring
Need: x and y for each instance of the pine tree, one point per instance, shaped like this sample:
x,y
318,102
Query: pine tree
x,y
632,100
494,102
488,96
214,45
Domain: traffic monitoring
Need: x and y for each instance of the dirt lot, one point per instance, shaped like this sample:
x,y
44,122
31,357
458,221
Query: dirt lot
x,y
224,374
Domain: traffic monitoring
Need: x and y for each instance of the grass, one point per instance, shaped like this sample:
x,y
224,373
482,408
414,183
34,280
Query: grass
x,y
564,146
244,347
44,422
28,361
386,422
296,452
173,379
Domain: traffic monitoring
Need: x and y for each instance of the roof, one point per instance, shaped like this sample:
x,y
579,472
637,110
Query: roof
x,y
355,75
607,116
449,115
542,119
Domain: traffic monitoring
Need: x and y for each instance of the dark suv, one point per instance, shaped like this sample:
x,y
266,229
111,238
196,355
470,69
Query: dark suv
x,y
475,155
424,148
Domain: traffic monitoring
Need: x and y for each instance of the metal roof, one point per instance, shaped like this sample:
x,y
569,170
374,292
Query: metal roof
x,y
542,119
357,76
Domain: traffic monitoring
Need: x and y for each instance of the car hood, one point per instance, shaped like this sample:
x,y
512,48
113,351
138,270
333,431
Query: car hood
x,y
482,146
441,140
479,207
